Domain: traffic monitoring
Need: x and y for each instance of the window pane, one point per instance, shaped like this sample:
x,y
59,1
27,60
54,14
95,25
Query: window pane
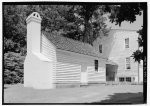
x,y
100,48
121,79
128,79
96,65
128,63
127,46
127,66
127,43
128,60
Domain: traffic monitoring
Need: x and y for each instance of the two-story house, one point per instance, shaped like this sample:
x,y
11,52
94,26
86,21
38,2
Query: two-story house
x,y
118,47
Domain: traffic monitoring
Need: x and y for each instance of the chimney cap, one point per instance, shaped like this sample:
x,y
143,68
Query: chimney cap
x,y
35,16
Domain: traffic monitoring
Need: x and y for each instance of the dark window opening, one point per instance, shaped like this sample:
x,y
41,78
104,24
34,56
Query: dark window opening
x,y
100,48
121,79
128,79
96,65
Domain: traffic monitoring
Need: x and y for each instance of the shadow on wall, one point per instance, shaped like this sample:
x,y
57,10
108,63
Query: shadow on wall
x,y
123,98
110,43
107,42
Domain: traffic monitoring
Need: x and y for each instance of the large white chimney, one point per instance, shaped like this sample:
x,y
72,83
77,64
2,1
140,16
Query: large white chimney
x,y
33,32
38,69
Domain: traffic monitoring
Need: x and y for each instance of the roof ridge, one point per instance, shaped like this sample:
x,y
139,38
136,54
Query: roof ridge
x,y
71,39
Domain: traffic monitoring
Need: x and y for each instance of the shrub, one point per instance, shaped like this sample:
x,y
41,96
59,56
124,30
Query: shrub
x,y
13,68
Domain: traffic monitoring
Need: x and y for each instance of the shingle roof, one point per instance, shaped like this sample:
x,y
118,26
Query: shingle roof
x,y
68,44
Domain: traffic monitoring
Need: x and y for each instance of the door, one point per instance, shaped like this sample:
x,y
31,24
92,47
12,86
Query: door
x,y
110,72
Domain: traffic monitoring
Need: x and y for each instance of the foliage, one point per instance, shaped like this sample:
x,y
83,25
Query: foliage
x,y
138,55
13,68
141,37
124,12
90,17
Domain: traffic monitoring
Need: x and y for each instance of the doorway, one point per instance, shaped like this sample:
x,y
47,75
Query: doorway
x,y
111,71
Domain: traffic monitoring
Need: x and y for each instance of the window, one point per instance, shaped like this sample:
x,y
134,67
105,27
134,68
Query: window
x,y
128,63
121,79
128,79
127,43
100,48
96,65
125,79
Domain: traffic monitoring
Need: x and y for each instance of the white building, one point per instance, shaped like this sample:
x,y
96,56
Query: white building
x,y
54,60
118,47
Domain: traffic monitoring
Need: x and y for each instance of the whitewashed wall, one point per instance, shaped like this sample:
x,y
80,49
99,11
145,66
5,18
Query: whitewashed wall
x,y
36,72
69,66
73,67
49,50
38,67
96,77
114,49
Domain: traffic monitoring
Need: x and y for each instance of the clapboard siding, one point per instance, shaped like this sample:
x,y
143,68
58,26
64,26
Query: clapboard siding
x,y
67,72
68,65
94,76
47,48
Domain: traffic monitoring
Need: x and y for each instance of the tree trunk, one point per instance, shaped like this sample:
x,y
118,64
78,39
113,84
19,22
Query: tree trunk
x,y
86,31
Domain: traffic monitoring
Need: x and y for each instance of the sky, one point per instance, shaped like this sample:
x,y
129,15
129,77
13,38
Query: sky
x,y
136,25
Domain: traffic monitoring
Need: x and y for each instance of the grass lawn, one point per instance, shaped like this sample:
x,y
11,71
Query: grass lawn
x,y
90,94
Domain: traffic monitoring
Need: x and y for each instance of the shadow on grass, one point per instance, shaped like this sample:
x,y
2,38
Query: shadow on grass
x,y
123,98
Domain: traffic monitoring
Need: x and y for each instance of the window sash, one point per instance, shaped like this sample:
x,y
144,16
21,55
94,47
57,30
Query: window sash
x,y
127,43
128,79
100,48
125,79
96,65
121,79
128,63
128,66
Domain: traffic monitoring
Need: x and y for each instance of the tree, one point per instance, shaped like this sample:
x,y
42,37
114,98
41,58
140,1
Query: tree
x,y
138,55
92,20
86,22
14,28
